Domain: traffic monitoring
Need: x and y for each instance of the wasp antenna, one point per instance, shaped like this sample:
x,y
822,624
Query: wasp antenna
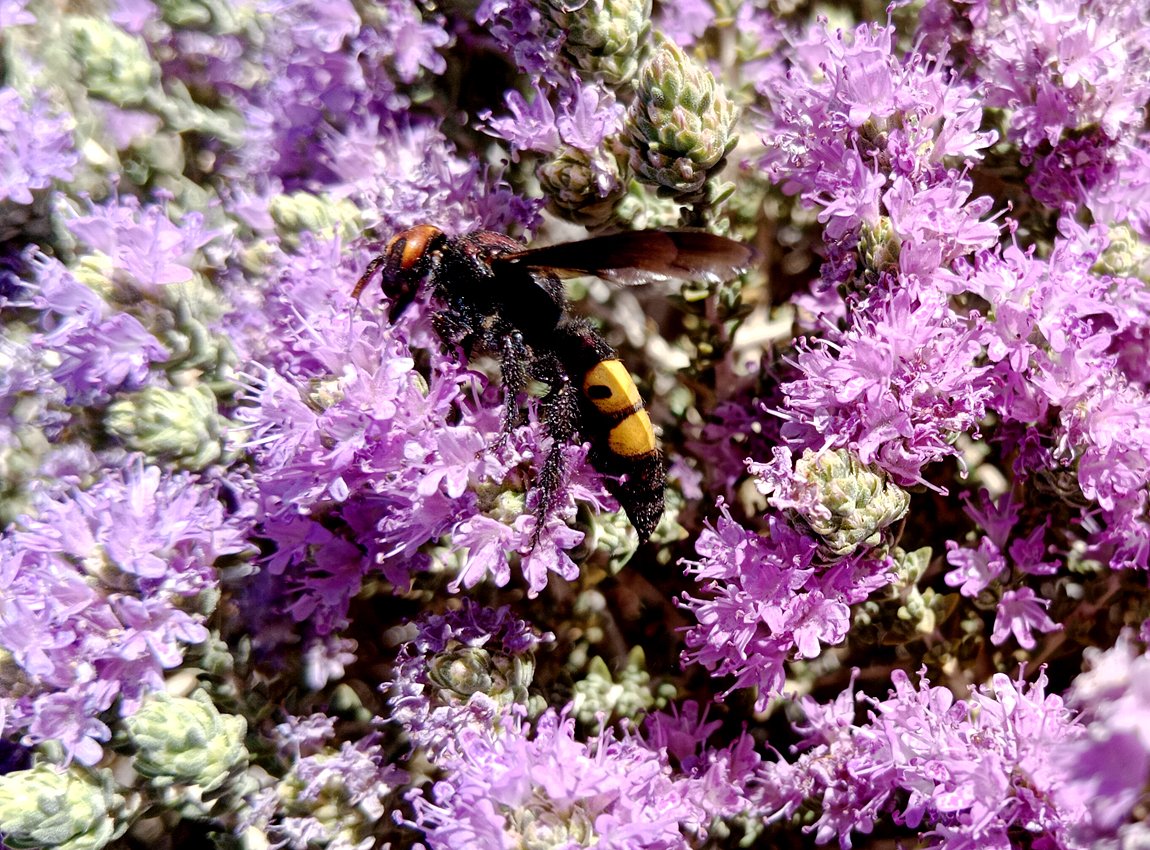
x,y
368,274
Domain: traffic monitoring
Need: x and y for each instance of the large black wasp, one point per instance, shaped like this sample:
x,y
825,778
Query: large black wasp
x,y
501,298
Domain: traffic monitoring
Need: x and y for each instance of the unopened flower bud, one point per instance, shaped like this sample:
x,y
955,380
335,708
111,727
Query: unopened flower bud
x,y
464,671
113,64
640,209
853,503
878,248
1127,255
318,214
609,540
681,124
181,425
582,187
604,37
47,806
186,741
598,692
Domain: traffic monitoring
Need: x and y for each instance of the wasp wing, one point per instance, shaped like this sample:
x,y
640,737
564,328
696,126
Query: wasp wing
x,y
640,256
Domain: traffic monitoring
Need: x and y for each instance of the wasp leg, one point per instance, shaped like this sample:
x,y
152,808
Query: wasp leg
x,y
452,329
561,411
514,358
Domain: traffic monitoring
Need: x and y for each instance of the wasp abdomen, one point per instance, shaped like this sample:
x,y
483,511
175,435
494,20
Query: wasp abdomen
x,y
610,390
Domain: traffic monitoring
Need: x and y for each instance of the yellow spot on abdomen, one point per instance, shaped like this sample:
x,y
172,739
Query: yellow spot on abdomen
x,y
633,436
609,387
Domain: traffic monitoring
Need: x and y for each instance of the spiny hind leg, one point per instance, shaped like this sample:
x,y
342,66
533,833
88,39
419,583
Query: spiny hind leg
x,y
561,415
514,358
514,362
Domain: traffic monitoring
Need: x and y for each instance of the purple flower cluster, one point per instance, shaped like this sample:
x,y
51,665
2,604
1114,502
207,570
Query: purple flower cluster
x,y
878,143
100,351
537,784
465,669
104,590
765,600
331,795
1111,696
144,247
962,774
35,145
322,70
561,108
1073,79
927,448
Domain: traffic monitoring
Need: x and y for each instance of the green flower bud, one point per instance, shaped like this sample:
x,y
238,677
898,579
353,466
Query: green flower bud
x,y
604,37
855,502
598,692
113,64
182,425
681,124
96,271
467,670
902,613
1125,256
609,540
215,16
47,806
640,209
878,249
582,187
318,214
186,741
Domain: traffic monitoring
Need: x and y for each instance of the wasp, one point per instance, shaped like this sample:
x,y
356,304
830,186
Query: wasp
x,y
498,297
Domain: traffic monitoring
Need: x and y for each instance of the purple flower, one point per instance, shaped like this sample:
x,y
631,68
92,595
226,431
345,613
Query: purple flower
x,y
401,175
13,14
722,781
530,126
143,242
98,351
974,569
540,784
521,29
329,793
1019,613
35,145
849,112
104,591
1063,65
1054,338
686,21
326,70
587,117
1108,768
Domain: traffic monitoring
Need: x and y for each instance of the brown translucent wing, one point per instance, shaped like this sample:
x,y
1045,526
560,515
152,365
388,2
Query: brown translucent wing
x,y
640,256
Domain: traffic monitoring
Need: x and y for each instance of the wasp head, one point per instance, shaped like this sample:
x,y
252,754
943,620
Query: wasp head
x,y
406,260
